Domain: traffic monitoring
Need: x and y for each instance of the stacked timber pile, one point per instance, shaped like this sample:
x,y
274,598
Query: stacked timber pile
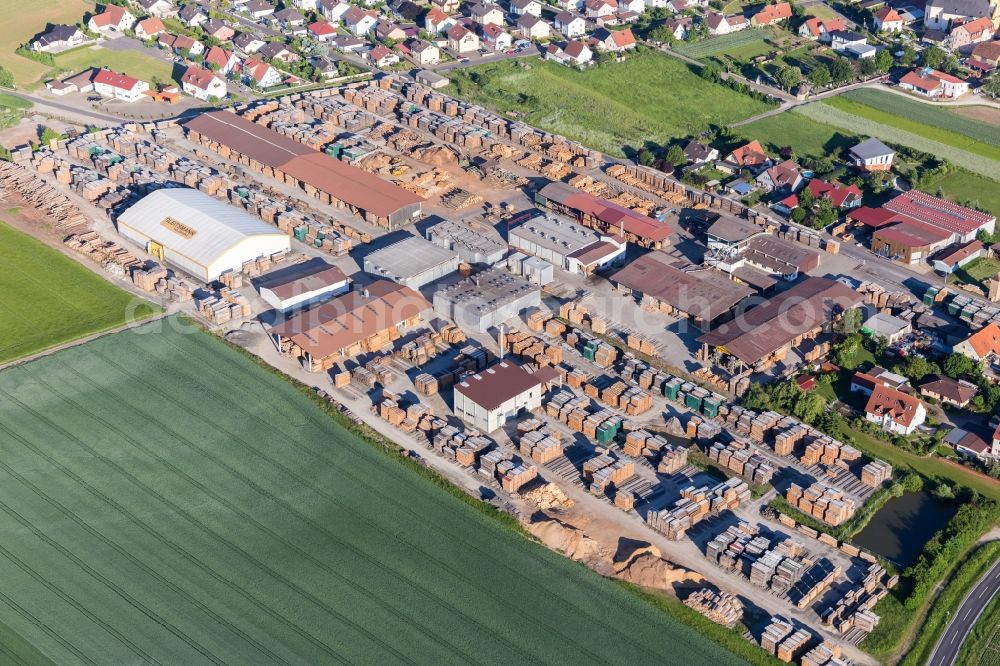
x,y
793,646
885,300
666,457
604,472
530,348
618,394
719,607
828,451
743,459
542,443
55,205
875,473
575,411
816,581
822,502
512,474
854,609
696,504
223,306
777,630
821,655
112,256
774,565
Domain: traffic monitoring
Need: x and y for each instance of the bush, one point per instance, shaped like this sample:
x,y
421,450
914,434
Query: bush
x,y
26,51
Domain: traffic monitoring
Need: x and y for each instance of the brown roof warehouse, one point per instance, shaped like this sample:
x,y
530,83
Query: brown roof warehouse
x,y
765,334
332,181
366,320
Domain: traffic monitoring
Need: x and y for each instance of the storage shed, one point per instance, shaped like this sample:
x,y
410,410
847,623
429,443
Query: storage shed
x,y
197,233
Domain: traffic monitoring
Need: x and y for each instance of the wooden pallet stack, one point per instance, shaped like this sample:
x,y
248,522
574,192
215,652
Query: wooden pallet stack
x,y
719,607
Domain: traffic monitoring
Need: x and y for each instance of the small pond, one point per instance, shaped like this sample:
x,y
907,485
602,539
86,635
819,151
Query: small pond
x,y
899,531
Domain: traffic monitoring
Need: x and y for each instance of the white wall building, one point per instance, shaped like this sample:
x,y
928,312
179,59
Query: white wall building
x,y
486,400
310,284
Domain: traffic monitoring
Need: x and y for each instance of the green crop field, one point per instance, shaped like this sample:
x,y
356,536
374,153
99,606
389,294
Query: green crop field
x,y
744,44
49,299
615,107
923,113
981,158
163,499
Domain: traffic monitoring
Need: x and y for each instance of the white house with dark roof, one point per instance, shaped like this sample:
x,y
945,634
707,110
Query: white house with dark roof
x,y
569,24
488,399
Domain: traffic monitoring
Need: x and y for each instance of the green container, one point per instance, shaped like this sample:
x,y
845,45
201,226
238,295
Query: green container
x,y
671,389
953,308
589,353
710,407
300,232
693,401
605,433
334,150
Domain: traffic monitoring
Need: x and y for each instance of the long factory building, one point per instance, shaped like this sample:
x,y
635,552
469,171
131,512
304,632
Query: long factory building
x,y
332,181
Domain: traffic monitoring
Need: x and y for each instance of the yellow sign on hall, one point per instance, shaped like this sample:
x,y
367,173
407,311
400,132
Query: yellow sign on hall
x,y
178,228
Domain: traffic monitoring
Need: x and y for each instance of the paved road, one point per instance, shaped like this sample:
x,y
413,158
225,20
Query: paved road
x,y
69,108
948,646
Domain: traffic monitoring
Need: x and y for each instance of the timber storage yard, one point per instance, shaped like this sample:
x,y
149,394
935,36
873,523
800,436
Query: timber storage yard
x,y
370,241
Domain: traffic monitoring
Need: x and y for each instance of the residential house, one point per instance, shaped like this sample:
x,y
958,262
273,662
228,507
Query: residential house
x,y
570,5
158,8
306,5
407,11
970,445
114,18
380,56
988,52
771,14
840,195
259,9
932,83
462,40
748,156
435,20
656,4
221,60
574,53
423,53
259,73
599,11
872,155
248,42
111,85
983,345
327,67
570,25
629,10
334,10
204,84
952,258
964,37
816,28
782,177
495,37
700,153
218,30
679,27
59,38
529,26
720,24
288,18
486,13
949,391
321,31
944,14
360,21
388,30
888,19
842,40
447,6
522,7
149,28
348,44
615,41
181,44
192,15
277,51
894,411
865,382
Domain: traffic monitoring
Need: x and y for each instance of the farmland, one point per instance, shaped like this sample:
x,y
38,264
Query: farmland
x,y
23,19
138,65
220,515
806,136
615,108
48,299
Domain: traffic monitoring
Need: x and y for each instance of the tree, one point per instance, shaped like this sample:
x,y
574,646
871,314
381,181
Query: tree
x,y
909,56
842,70
645,157
675,156
883,60
806,199
845,354
798,214
868,66
48,134
916,368
6,78
808,407
825,214
712,72
850,322
789,77
934,57
959,365
820,76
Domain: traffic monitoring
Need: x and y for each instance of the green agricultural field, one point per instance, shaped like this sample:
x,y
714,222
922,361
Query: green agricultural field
x,y
138,65
49,299
980,158
944,118
973,144
966,186
806,136
614,108
164,499
22,20
742,45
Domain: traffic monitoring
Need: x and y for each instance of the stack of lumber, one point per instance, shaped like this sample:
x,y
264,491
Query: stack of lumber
x,y
55,205
875,473
696,504
774,633
743,459
426,384
719,607
540,442
828,451
822,501
794,645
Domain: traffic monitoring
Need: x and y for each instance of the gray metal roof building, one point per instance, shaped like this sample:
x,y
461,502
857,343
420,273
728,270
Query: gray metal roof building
x,y
475,243
412,262
197,233
486,299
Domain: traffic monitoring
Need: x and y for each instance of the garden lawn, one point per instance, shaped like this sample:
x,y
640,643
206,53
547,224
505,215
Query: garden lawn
x,y
742,45
616,108
978,270
49,299
965,186
136,65
165,499
807,137
22,20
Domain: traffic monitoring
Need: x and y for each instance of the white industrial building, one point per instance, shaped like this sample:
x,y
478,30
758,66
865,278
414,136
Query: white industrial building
x,y
197,233
486,400
306,285
486,299
412,262
568,245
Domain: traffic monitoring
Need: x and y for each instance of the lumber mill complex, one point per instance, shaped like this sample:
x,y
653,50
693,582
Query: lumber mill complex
x,y
571,335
